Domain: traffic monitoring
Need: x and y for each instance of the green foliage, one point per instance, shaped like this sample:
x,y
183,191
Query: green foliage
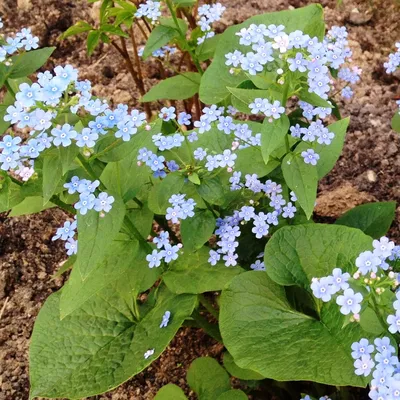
x,y
170,392
178,87
396,122
65,359
374,219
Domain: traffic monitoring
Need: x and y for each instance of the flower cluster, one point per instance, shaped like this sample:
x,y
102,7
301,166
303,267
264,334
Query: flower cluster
x,y
294,52
67,233
372,263
37,107
166,252
384,366
159,53
87,200
394,60
209,13
228,229
150,9
181,208
23,40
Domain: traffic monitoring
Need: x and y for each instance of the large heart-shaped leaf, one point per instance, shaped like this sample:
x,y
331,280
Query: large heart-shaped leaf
x,y
100,345
263,333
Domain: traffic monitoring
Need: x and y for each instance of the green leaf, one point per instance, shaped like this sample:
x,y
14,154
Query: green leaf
x,y
184,3
79,27
374,219
109,149
263,333
178,87
142,218
124,262
396,122
197,230
170,392
192,273
207,378
96,234
30,205
100,345
92,41
10,194
234,394
296,254
329,154
67,156
194,178
115,30
25,64
250,161
273,135
52,174
207,49
217,78
313,99
159,37
213,191
302,178
162,191
240,373
247,96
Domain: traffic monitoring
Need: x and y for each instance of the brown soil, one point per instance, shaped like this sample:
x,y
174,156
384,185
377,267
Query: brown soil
x,y
368,170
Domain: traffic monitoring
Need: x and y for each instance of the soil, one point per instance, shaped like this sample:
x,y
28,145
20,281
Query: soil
x,y
368,170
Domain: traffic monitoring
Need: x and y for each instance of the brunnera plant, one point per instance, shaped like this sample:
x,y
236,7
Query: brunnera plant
x,y
168,210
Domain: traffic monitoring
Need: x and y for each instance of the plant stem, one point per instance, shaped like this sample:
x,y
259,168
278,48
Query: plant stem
x,y
183,37
9,88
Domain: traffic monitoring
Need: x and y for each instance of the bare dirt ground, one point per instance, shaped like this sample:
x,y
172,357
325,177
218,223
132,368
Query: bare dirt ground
x,y
368,170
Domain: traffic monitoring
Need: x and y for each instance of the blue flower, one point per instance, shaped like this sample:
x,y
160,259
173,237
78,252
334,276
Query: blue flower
x,y
310,156
383,247
386,360
234,58
247,213
214,257
66,231
230,259
103,202
172,166
322,288
394,322
364,366
212,163
144,154
14,113
167,114
85,203
349,302
28,95
154,259
277,201
162,240
340,280
169,253
173,214
155,162
361,348
71,245
289,210
347,93
9,144
258,266
86,138
67,73
367,262
384,345
260,229
184,118
126,129
73,185
226,124
86,186
165,319
299,63
63,135
226,159
272,218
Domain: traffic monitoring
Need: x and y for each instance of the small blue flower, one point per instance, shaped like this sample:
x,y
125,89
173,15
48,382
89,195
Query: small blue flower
x,y
86,186
63,135
247,213
9,144
310,156
28,95
340,280
73,185
322,288
169,253
289,210
167,114
103,202
85,203
361,348
172,166
126,129
184,118
200,154
394,322
173,214
349,302
384,345
347,93
71,245
66,231
230,259
367,262
144,154
155,162
364,366
86,138
162,240
298,63
165,319
383,247
154,259
214,257
258,266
